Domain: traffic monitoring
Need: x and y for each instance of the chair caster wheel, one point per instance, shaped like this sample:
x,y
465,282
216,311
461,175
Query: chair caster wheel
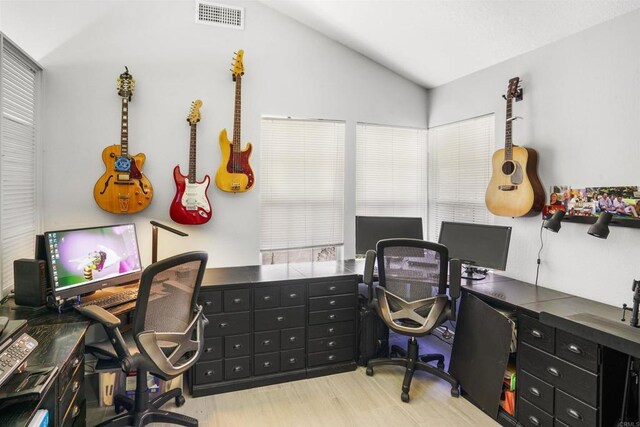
x,y
180,400
119,409
440,366
369,371
404,396
455,392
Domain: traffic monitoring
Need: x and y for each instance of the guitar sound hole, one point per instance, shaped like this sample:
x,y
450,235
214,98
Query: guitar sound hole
x,y
508,167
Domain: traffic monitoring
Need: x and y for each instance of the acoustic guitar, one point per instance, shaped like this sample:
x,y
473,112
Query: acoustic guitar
x,y
123,188
235,174
191,205
515,189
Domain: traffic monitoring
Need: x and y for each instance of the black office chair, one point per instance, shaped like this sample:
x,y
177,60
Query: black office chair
x,y
411,298
166,339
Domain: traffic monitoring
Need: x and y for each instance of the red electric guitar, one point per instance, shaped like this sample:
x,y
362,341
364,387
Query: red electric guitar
x,y
191,204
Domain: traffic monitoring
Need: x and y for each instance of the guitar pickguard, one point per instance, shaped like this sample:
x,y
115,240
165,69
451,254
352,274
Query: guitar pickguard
x,y
517,176
195,196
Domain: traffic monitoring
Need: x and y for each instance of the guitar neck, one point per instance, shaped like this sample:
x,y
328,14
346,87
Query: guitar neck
x,y
508,144
192,154
124,128
236,115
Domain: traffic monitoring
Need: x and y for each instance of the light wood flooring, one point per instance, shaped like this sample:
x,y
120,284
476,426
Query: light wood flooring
x,y
348,399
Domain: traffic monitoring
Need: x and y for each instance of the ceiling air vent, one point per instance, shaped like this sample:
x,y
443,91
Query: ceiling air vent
x,y
220,15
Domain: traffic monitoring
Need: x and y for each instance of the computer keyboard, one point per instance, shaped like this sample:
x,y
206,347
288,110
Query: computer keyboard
x,y
112,300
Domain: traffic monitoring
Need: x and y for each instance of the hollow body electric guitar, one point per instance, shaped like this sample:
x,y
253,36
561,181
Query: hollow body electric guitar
x,y
191,205
235,174
515,189
123,188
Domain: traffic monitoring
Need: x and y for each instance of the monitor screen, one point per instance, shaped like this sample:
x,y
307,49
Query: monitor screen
x,y
477,244
371,229
87,259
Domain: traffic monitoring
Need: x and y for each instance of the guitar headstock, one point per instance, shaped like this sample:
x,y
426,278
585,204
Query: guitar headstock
x,y
514,90
238,66
194,113
126,84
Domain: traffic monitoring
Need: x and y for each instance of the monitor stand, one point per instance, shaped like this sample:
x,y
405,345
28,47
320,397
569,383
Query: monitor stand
x,y
470,270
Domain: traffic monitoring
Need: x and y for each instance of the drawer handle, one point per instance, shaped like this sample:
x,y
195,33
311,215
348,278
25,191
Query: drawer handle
x,y
266,364
293,296
223,325
75,411
208,303
534,420
553,371
332,302
237,300
280,318
537,334
75,386
575,349
333,288
75,362
534,391
209,373
267,342
237,369
332,316
331,344
292,361
331,357
267,297
293,339
331,330
574,414
208,349
237,346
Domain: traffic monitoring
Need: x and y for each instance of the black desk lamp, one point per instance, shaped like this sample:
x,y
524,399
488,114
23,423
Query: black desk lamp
x,y
154,238
601,228
553,223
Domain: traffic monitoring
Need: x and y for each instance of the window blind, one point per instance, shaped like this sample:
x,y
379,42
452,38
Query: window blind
x,y
302,184
390,171
459,172
19,90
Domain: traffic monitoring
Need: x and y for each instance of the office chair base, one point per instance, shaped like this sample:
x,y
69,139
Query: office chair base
x,y
426,358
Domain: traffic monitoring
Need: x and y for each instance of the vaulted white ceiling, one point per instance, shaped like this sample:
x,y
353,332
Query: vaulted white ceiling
x,y
433,42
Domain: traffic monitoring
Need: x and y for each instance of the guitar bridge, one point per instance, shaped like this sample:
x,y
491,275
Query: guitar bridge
x,y
507,187
123,200
235,186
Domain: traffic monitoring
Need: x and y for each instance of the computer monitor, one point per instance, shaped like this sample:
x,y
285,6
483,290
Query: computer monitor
x,y
371,229
87,259
477,245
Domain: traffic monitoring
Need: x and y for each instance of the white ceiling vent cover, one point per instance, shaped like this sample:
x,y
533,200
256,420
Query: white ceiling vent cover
x,y
219,15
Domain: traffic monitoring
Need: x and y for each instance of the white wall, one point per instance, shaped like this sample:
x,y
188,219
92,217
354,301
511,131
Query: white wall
x,y
290,71
581,112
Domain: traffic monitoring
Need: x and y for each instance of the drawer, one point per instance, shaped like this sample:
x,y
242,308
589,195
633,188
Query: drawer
x,y
279,318
331,330
292,338
328,316
212,349
577,350
330,343
536,391
558,423
329,357
267,363
237,345
75,413
75,360
208,372
332,288
228,324
292,359
267,297
573,412
531,416
211,301
332,302
236,300
239,367
583,384
537,334
72,387
266,342
292,295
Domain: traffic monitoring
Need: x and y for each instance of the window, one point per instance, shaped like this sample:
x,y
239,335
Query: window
x,y
459,172
390,171
302,190
19,221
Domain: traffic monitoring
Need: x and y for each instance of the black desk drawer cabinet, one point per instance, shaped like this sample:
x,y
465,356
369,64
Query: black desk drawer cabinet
x,y
71,397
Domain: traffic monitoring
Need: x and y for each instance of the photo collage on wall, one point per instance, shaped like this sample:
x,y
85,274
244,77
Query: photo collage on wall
x,y
622,202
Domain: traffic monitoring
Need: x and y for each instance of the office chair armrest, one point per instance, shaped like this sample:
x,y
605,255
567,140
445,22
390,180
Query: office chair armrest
x,y
101,315
367,274
455,272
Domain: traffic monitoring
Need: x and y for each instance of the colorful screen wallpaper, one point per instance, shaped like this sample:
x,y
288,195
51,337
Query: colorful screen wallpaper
x,y
90,255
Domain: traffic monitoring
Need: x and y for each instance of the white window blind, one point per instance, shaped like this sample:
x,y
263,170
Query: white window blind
x,y
302,184
390,171
459,172
19,89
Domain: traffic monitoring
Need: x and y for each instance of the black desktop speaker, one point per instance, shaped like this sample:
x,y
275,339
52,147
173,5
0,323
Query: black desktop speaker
x,y
30,282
